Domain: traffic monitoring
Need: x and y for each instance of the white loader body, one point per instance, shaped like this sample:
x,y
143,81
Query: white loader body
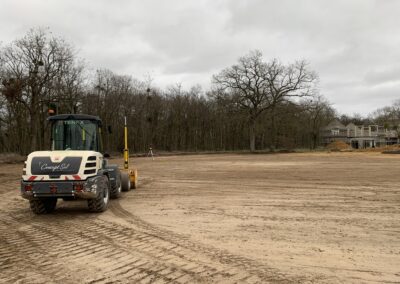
x,y
62,165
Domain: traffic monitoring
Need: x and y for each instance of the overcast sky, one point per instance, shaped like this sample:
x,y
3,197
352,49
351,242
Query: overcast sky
x,y
354,45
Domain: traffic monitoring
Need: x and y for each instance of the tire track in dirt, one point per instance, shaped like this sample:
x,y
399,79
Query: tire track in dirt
x,y
55,249
71,248
351,203
247,268
24,260
110,261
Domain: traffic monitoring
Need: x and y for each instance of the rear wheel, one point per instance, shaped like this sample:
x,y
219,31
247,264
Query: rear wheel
x,y
125,181
43,206
100,203
116,189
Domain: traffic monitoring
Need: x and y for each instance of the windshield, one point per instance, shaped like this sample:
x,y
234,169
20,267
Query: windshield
x,y
74,135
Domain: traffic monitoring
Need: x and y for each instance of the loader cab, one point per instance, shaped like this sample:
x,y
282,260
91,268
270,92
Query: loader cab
x,y
76,132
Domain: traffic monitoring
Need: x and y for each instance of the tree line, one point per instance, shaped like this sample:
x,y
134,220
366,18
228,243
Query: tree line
x,y
254,104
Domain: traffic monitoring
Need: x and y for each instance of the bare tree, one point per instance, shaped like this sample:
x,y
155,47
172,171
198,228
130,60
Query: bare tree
x,y
389,116
318,114
256,86
30,67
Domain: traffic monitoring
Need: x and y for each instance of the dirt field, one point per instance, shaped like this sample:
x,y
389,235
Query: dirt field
x,y
330,217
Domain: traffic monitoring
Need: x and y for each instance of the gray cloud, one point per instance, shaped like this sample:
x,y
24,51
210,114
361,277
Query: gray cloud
x,y
387,76
353,45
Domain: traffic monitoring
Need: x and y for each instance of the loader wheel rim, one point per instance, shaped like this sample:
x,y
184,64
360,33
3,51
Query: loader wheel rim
x,y
106,196
119,189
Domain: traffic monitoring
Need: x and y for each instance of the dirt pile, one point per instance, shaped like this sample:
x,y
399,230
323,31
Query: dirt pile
x,y
385,149
338,146
393,149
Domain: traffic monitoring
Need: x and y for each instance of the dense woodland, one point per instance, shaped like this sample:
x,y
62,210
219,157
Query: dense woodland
x,y
255,104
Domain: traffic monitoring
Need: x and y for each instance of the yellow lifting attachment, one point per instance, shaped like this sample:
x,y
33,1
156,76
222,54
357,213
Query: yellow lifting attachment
x,y
129,176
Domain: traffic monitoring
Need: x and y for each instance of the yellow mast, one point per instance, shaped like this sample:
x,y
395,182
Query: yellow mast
x,y
126,151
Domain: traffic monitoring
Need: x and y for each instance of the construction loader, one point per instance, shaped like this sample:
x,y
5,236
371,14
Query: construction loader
x,y
76,167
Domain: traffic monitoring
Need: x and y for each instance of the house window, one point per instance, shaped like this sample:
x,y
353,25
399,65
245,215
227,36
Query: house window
x,y
335,132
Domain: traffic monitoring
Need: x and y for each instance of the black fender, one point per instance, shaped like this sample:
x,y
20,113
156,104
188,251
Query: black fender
x,y
113,172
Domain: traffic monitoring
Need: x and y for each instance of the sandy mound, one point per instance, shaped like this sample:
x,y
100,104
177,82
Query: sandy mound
x,y
386,149
338,146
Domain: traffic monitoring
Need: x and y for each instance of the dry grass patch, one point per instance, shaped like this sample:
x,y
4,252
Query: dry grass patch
x,y
11,158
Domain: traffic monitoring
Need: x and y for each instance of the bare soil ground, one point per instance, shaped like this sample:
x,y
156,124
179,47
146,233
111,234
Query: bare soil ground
x,y
323,217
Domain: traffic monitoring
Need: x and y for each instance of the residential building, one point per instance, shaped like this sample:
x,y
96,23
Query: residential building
x,y
358,136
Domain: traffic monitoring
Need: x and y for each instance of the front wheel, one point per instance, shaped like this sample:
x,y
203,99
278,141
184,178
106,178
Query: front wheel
x,y
100,203
43,206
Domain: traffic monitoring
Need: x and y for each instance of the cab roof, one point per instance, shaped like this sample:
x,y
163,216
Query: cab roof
x,y
74,117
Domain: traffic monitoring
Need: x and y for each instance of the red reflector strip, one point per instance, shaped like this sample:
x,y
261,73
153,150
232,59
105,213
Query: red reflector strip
x,y
31,178
76,177
66,178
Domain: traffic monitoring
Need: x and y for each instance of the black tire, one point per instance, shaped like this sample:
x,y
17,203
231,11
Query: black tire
x,y
125,182
100,203
116,189
43,206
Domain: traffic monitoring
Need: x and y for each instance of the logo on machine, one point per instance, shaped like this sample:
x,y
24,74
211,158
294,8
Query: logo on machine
x,y
54,168
44,166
